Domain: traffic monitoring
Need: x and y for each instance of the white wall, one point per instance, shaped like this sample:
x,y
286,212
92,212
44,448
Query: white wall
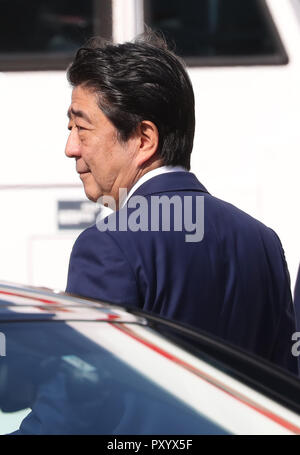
x,y
33,134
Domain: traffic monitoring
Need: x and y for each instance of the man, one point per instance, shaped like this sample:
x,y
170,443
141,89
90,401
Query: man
x,y
170,247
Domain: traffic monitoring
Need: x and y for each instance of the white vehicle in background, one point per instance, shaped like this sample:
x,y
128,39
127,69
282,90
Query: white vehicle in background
x,y
244,61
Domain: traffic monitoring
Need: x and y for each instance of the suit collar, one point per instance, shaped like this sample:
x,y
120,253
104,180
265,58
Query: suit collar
x,y
170,182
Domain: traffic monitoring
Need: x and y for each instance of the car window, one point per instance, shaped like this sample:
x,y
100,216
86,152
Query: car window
x,y
54,380
43,34
212,32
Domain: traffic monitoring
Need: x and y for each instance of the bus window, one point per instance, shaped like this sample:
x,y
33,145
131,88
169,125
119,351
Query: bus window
x,y
43,34
218,32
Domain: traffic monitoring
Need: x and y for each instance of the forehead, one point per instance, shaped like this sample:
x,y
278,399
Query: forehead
x,y
81,94
84,104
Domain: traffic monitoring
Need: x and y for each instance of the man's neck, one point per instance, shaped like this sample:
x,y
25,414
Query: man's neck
x,y
147,176
133,179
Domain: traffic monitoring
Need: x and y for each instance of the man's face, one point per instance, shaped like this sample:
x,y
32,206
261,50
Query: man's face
x,y
103,163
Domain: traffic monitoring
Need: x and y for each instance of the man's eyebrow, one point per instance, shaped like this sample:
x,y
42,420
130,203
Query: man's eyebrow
x,y
78,113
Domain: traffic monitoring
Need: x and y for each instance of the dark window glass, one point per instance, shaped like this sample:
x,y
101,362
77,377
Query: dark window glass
x,y
218,31
45,33
54,380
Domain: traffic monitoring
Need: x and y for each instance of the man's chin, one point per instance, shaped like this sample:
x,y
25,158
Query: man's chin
x,y
91,193
91,197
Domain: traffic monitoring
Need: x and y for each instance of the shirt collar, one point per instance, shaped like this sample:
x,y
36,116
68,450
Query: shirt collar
x,y
106,211
149,175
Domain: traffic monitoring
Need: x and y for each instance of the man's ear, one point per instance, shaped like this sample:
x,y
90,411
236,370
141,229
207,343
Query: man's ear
x,y
148,142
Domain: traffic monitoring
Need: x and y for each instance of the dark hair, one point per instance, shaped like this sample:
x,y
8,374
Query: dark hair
x,y
141,80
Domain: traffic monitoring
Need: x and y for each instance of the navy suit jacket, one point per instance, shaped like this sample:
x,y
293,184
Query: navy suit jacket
x,y
234,283
297,298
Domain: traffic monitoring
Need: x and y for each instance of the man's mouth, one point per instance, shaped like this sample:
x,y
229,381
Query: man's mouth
x,y
83,175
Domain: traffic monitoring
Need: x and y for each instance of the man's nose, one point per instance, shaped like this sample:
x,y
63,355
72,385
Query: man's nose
x,y
72,149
